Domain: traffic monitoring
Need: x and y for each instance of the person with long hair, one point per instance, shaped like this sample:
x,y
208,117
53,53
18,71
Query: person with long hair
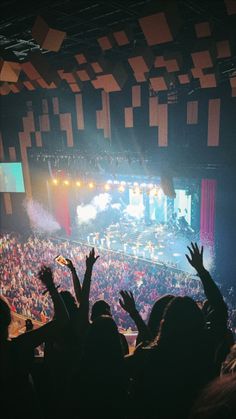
x,y
169,373
17,394
218,400
101,382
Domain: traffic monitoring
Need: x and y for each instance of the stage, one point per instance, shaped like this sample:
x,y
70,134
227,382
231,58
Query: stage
x,y
157,243
132,215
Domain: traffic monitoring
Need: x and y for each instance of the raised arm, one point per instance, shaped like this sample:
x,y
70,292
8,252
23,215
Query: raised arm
x,y
128,304
76,281
211,290
84,303
35,337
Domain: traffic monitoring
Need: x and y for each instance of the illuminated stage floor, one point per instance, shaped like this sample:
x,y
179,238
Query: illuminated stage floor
x,y
156,243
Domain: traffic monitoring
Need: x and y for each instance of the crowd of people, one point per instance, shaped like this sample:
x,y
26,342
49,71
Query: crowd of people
x,y
184,363
148,281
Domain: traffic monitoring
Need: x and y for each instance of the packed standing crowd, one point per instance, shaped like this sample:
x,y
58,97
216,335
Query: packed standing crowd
x,y
184,363
23,258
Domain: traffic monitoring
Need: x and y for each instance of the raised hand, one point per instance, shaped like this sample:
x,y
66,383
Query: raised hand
x,y
46,276
91,259
128,302
196,256
69,264
76,281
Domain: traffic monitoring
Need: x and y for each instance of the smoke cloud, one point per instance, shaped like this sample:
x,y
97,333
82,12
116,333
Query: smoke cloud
x,y
135,211
41,220
87,213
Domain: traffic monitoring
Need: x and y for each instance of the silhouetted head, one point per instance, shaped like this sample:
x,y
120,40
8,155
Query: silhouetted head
x,y
104,334
103,351
218,400
182,320
100,308
69,302
5,318
105,327
156,314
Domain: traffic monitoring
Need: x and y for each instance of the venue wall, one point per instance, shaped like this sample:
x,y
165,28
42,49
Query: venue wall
x,y
194,136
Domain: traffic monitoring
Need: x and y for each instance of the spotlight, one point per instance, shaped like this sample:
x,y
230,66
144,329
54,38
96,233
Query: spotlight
x,y
121,188
107,187
55,181
66,182
78,183
135,183
91,185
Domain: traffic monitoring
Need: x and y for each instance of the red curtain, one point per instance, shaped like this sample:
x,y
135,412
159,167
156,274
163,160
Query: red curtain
x,y
207,224
61,208
60,202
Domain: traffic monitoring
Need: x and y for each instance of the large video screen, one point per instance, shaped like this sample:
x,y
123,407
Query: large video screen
x,y
11,177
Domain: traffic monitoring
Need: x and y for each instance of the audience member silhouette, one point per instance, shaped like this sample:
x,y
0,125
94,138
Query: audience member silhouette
x,y
62,352
17,392
101,382
170,372
183,347
102,308
183,358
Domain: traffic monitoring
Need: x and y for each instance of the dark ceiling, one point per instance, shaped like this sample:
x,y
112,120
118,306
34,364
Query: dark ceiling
x,y
85,21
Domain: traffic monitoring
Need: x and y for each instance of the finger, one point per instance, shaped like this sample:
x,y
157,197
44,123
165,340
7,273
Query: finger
x,y
190,250
201,250
193,246
197,248
189,260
